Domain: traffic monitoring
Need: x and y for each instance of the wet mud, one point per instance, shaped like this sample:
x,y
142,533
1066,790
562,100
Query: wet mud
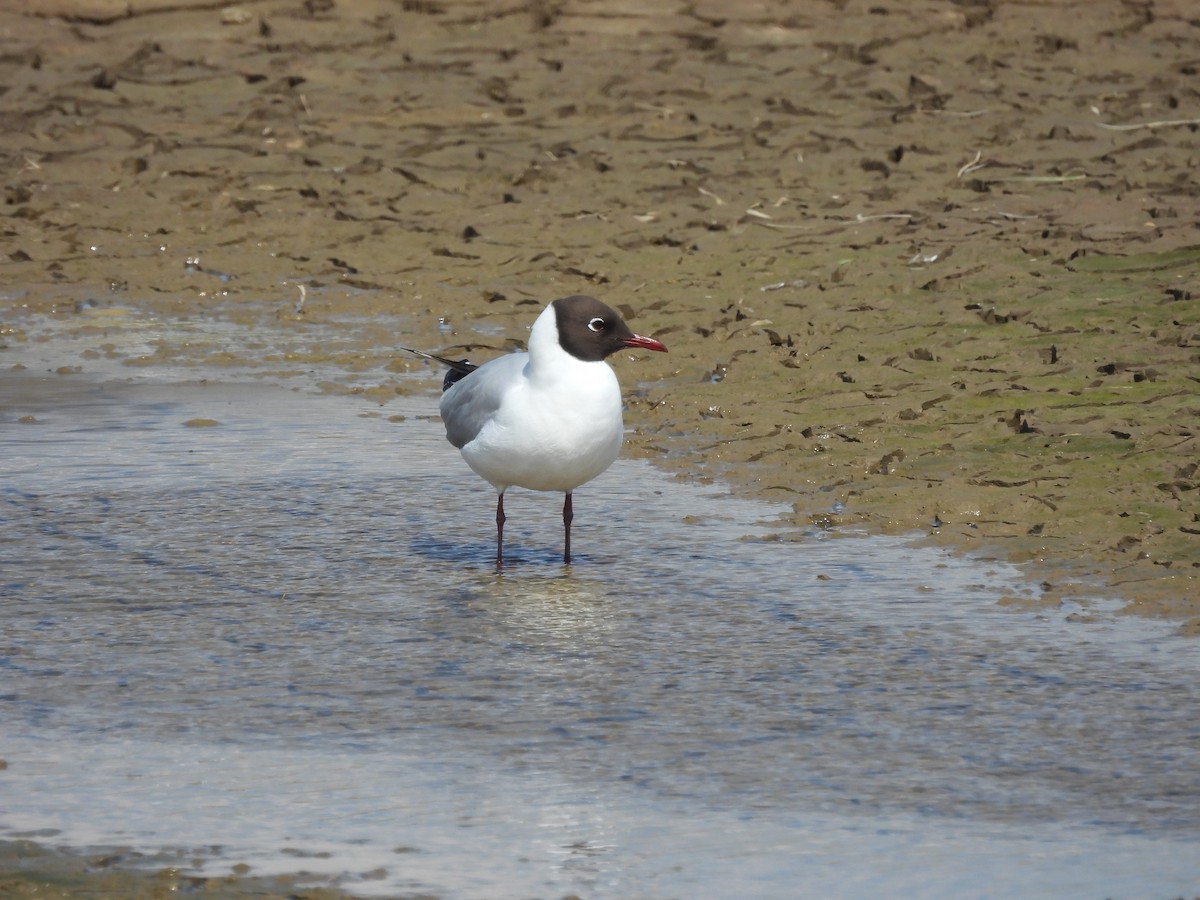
x,y
920,266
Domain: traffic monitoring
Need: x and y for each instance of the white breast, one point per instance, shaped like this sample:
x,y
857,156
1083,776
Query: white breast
x,y
550,435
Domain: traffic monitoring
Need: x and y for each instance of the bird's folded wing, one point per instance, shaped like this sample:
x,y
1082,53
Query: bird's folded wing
x,y
471,402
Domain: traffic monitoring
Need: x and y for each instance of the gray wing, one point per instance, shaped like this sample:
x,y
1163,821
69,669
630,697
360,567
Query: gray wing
x,y
469,404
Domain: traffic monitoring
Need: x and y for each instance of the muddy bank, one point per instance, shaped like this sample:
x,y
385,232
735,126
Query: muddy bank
x,y
923,266
30,869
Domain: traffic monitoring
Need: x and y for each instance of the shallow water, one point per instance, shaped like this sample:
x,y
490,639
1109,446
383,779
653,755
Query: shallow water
x,y
278,640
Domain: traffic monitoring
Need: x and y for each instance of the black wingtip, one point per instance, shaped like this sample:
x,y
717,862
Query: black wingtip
x,y
456,373
458,369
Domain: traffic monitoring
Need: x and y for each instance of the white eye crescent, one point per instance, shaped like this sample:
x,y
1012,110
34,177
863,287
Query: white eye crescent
x,y
597,324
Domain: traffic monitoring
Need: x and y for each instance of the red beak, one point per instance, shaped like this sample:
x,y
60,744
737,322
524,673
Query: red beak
x,y
646,343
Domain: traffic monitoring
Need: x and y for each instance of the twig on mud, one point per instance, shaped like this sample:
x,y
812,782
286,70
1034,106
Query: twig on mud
x,y
967,114
973,166
1164,123
859,217
1044,179
708,193
778,226
761,218
780,285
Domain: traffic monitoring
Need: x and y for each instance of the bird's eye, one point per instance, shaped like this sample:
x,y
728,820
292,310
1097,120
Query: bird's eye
x,y
596,324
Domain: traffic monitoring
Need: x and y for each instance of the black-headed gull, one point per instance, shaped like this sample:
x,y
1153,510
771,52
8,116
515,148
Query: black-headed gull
x,y
548,419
